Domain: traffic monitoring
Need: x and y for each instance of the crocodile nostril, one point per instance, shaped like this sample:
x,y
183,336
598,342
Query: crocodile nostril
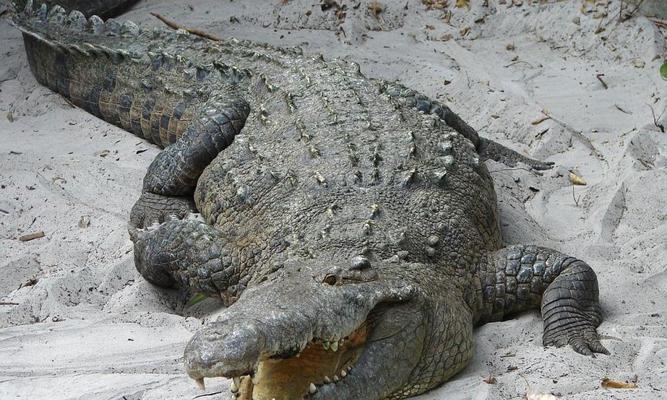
x,y
359,263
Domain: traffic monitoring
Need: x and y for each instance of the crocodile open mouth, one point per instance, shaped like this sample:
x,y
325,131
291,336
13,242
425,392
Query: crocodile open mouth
x,y
321,362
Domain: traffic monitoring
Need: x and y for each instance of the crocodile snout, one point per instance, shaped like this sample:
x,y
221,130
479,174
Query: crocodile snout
x,y
224,349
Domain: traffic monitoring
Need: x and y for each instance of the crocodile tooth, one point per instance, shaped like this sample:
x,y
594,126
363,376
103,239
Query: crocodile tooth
x,y
327,379
112,27
312,388
233,388
200,383
349,368
325,344
343,373
334,346
28,8
95,25
129,28
43,12
336,378
56,15
76,20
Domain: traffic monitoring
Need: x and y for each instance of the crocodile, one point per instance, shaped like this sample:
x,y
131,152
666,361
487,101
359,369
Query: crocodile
x,y
349,224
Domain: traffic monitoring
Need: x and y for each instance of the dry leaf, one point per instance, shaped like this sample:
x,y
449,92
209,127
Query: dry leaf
x,y
576,179
435,4
375,8
490,380
463,3
612,384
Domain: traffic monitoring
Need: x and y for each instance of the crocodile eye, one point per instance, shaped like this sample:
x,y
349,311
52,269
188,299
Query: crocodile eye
x,y
330,279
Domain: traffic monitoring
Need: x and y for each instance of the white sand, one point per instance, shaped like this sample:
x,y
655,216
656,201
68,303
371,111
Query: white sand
x,y
92,328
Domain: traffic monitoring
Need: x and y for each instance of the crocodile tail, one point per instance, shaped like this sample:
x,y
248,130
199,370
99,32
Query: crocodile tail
x,y
116,71
102,8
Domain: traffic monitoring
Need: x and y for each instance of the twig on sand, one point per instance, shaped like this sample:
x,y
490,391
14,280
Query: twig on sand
x,y
622,110
576,199
176,26
32,236
660,23
206,395
579,136
655,120
604,84
8,303
517,62
516,169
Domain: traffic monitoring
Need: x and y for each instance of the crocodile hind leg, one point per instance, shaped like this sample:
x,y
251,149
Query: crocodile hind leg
x,y
519,278
189,254
486,148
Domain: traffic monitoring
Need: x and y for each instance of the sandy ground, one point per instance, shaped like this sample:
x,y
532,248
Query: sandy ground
x,y
86,326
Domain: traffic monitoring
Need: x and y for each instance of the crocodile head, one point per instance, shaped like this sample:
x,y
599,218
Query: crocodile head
x,y
305,328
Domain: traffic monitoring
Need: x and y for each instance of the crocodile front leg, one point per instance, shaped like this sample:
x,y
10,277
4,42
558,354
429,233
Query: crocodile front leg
x,y
487,149
189,254
172,177
519,278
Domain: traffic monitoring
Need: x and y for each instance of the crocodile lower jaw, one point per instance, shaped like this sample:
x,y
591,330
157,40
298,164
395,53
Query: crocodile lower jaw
x,y
320,362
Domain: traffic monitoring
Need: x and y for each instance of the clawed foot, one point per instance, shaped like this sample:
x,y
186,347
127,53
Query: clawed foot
x,y
584,341
489,149
153,208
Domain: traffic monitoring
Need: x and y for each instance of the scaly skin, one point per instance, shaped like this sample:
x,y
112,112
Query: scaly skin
x,y
334,214
102,8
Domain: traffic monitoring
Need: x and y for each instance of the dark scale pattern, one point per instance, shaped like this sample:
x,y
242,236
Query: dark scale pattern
x,y
327,201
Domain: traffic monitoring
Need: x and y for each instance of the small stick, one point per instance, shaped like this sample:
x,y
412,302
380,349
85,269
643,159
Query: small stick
x,y
32,236
576,199
661,23
176,26
205,395
604,84
622,110
540,120
655,121
516,169
8,303
517,62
